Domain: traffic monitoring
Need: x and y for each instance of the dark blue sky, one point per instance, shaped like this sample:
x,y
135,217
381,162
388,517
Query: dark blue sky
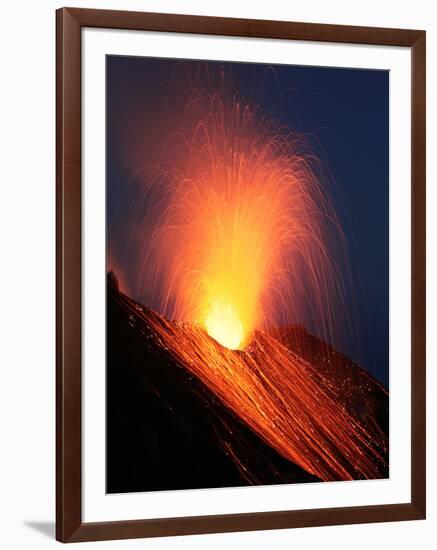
x,y
345,113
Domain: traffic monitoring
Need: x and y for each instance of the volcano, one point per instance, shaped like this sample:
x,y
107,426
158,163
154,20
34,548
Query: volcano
x,y
183,412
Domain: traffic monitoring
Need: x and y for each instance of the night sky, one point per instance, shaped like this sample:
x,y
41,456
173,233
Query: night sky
x,y
344,112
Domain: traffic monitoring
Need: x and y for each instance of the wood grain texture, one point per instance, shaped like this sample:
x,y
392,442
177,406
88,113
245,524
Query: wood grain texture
x,y
69,526
68,277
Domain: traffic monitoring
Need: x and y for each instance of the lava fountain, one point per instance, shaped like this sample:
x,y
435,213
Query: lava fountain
x,y
233,232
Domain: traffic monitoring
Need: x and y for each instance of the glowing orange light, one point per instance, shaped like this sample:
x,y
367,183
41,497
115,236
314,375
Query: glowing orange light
x,y
238,226
281,397
223,324
236,233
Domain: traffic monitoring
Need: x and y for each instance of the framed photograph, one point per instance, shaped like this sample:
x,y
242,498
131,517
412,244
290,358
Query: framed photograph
x,y
240,274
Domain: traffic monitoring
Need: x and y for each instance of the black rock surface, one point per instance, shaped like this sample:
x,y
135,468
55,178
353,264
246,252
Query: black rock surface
x,y
165,429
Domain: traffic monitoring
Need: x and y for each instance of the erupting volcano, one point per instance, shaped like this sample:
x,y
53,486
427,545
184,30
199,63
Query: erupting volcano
x,y
232,236
236,231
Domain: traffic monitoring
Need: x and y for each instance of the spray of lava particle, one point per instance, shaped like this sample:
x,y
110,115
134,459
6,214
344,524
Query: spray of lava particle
x,y
235,230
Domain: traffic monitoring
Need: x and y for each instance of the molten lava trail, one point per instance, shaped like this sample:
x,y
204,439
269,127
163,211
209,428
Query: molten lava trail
x,y
270,389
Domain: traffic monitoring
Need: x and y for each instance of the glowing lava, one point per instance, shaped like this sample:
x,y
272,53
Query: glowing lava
x,y
234,232
224,326
234,229
280,396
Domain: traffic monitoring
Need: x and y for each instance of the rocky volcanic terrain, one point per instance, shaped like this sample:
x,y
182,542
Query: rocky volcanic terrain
x,y
167,430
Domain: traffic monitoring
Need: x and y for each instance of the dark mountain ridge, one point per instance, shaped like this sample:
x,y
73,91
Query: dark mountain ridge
x,y
166,430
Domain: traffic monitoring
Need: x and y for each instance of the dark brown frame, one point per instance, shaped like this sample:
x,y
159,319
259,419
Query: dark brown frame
x,y
69,526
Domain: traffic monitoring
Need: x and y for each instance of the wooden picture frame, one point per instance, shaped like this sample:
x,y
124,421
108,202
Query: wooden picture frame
x,y
69,524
